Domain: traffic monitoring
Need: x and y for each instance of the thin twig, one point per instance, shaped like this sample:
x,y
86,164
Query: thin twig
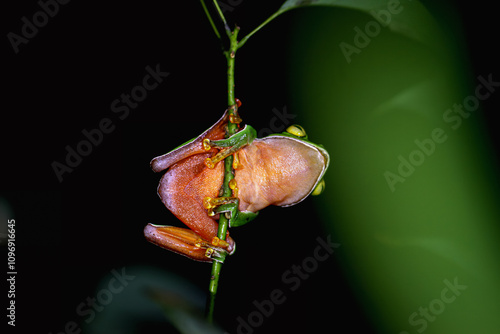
x,y
228,30
272,17
228,170
210,19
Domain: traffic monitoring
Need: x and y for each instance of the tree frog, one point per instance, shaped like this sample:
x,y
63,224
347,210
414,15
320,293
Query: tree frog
x,y
280,169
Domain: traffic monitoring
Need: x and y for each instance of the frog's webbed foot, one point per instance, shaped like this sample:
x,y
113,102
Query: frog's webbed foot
x,y
229,206
186,242
234,117
229,145
220,205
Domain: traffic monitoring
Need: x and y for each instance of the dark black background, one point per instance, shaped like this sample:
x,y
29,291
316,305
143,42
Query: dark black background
x,y
70,234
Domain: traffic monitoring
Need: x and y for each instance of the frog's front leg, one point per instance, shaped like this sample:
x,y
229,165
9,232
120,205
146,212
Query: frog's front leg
x,y
192,147
230,145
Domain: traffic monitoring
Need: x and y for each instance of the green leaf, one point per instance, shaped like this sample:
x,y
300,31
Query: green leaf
x,y
406,17
433,226
290,4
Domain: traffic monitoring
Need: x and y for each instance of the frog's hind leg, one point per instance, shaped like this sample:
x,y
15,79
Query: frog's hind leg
x,y
186,242
182,190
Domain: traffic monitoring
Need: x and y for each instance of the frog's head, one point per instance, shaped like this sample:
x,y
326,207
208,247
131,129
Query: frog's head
x,y
299,133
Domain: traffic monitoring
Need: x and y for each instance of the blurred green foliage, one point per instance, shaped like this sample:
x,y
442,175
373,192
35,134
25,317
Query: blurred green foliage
x,y
411,194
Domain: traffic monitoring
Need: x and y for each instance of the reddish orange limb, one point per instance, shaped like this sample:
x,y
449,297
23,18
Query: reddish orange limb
x,y
196,146
185,242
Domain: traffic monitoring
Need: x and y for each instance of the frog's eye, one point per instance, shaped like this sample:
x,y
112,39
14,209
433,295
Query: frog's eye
x,y
296,130
320,187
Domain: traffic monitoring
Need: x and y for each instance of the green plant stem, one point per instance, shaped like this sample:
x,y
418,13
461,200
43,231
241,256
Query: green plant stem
x,y
228,168
228,30
210,19
272,17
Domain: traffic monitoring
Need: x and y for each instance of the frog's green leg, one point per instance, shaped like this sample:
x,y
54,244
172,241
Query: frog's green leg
x,y
220,204
241,138
229,205
320,187
242,218
230,145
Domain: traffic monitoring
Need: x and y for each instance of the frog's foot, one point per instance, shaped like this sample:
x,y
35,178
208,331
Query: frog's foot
x,y
186,242
229,146
229,206
234,117
211,162
220,204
